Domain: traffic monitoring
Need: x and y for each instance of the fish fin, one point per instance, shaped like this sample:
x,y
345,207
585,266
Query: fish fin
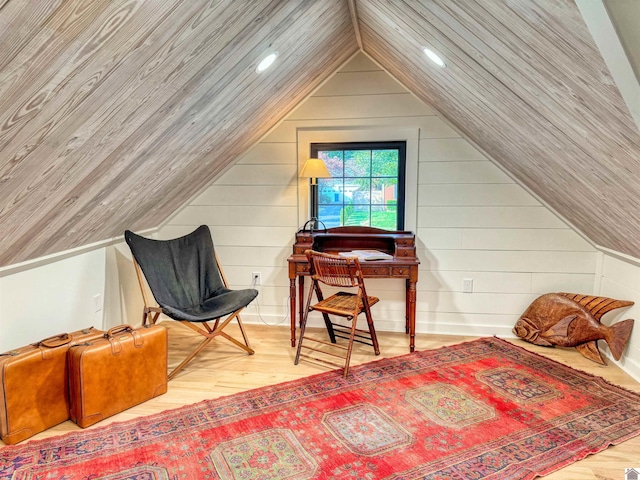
x,y
620,333
561,328
590,350
596,306
542,342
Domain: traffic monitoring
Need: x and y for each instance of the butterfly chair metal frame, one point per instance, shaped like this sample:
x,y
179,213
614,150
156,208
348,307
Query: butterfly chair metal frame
x,y
151,313
341,272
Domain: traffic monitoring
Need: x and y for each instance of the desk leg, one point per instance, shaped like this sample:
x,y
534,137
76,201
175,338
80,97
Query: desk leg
x,y
407,306
292,309
301,297
411,303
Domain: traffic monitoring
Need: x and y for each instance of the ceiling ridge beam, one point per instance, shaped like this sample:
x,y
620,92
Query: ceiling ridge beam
x,y
354,18
606,38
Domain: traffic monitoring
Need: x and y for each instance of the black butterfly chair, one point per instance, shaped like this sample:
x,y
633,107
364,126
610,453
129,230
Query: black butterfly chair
x,y
185,278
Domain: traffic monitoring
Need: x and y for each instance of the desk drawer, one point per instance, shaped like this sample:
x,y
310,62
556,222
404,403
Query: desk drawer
x,y
400,272
404,252
375,271
302,268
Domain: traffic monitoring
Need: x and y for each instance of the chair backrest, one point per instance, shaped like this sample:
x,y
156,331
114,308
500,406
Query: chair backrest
x,y
335,270
181,272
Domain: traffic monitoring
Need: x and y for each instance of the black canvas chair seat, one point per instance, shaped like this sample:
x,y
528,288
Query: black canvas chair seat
x,y
222,303
188,285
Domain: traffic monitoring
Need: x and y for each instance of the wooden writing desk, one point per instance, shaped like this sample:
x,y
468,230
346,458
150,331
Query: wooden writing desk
x,y
404,264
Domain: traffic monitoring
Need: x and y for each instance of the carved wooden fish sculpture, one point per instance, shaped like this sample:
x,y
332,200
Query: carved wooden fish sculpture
x,y
573,320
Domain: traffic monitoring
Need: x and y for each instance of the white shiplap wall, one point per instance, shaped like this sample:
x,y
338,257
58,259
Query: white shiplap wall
x,y
471,219
619,277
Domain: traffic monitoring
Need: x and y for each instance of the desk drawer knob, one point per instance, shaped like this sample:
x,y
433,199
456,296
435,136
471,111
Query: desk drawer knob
x,y
401,271
375,270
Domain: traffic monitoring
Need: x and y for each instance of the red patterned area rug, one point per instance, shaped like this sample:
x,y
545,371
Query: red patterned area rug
x,y
481,409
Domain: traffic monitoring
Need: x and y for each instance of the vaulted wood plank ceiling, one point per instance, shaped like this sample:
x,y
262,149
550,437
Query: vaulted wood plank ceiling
x,y
525,82
113,114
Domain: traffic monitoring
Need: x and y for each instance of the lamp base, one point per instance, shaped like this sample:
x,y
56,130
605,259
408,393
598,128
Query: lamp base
x,y
314,225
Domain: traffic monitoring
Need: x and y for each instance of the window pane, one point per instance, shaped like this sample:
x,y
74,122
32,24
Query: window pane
x,y
385,163
330,215
357,190
384,191
333,160
329,191
357,163
384,217
356,215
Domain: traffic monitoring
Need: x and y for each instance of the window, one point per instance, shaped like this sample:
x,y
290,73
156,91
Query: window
x,y
366,186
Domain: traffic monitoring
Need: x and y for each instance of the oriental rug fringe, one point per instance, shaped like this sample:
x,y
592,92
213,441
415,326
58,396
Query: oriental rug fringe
x,y
481,409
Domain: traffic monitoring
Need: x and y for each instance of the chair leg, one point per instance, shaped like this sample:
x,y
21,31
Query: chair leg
x,y
354,322
327,320
150,314
303,321
218,330
303,326
210,333
247,349
372,331
244,334
175,371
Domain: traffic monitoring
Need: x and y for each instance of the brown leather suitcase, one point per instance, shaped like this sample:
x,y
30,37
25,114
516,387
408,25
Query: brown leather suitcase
x,y
127,367
34,392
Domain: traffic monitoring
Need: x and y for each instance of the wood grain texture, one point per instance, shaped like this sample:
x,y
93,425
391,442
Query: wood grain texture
x,y
113,114
527,84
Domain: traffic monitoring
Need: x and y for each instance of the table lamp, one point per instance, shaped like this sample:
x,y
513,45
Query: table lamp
x,y
313,169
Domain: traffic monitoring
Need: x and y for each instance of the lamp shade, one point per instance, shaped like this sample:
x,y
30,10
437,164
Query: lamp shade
x,y
315,168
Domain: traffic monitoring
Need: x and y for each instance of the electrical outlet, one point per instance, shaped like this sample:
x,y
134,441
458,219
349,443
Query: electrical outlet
x,y
256,278
97,302
467,285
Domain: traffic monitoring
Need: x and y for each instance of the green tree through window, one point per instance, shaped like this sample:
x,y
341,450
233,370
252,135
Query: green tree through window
x,y
366,186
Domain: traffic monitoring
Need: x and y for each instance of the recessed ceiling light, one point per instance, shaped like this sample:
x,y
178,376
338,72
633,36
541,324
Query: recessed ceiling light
x,y
266,62
435,58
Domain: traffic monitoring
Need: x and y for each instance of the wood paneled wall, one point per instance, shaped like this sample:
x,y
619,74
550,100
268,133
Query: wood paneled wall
x,y
114,114
527,84
472,220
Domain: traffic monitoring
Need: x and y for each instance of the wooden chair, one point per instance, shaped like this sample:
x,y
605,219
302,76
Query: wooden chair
x,y
341,272
189,286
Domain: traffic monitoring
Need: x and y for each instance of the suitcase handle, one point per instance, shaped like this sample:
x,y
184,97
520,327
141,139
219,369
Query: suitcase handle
x,y
55,341
138,341
118,329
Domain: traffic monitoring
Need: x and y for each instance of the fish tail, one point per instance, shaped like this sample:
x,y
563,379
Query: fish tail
x,y
620,333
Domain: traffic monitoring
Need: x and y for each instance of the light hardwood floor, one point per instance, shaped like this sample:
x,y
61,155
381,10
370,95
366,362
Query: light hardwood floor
x,y
223,369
